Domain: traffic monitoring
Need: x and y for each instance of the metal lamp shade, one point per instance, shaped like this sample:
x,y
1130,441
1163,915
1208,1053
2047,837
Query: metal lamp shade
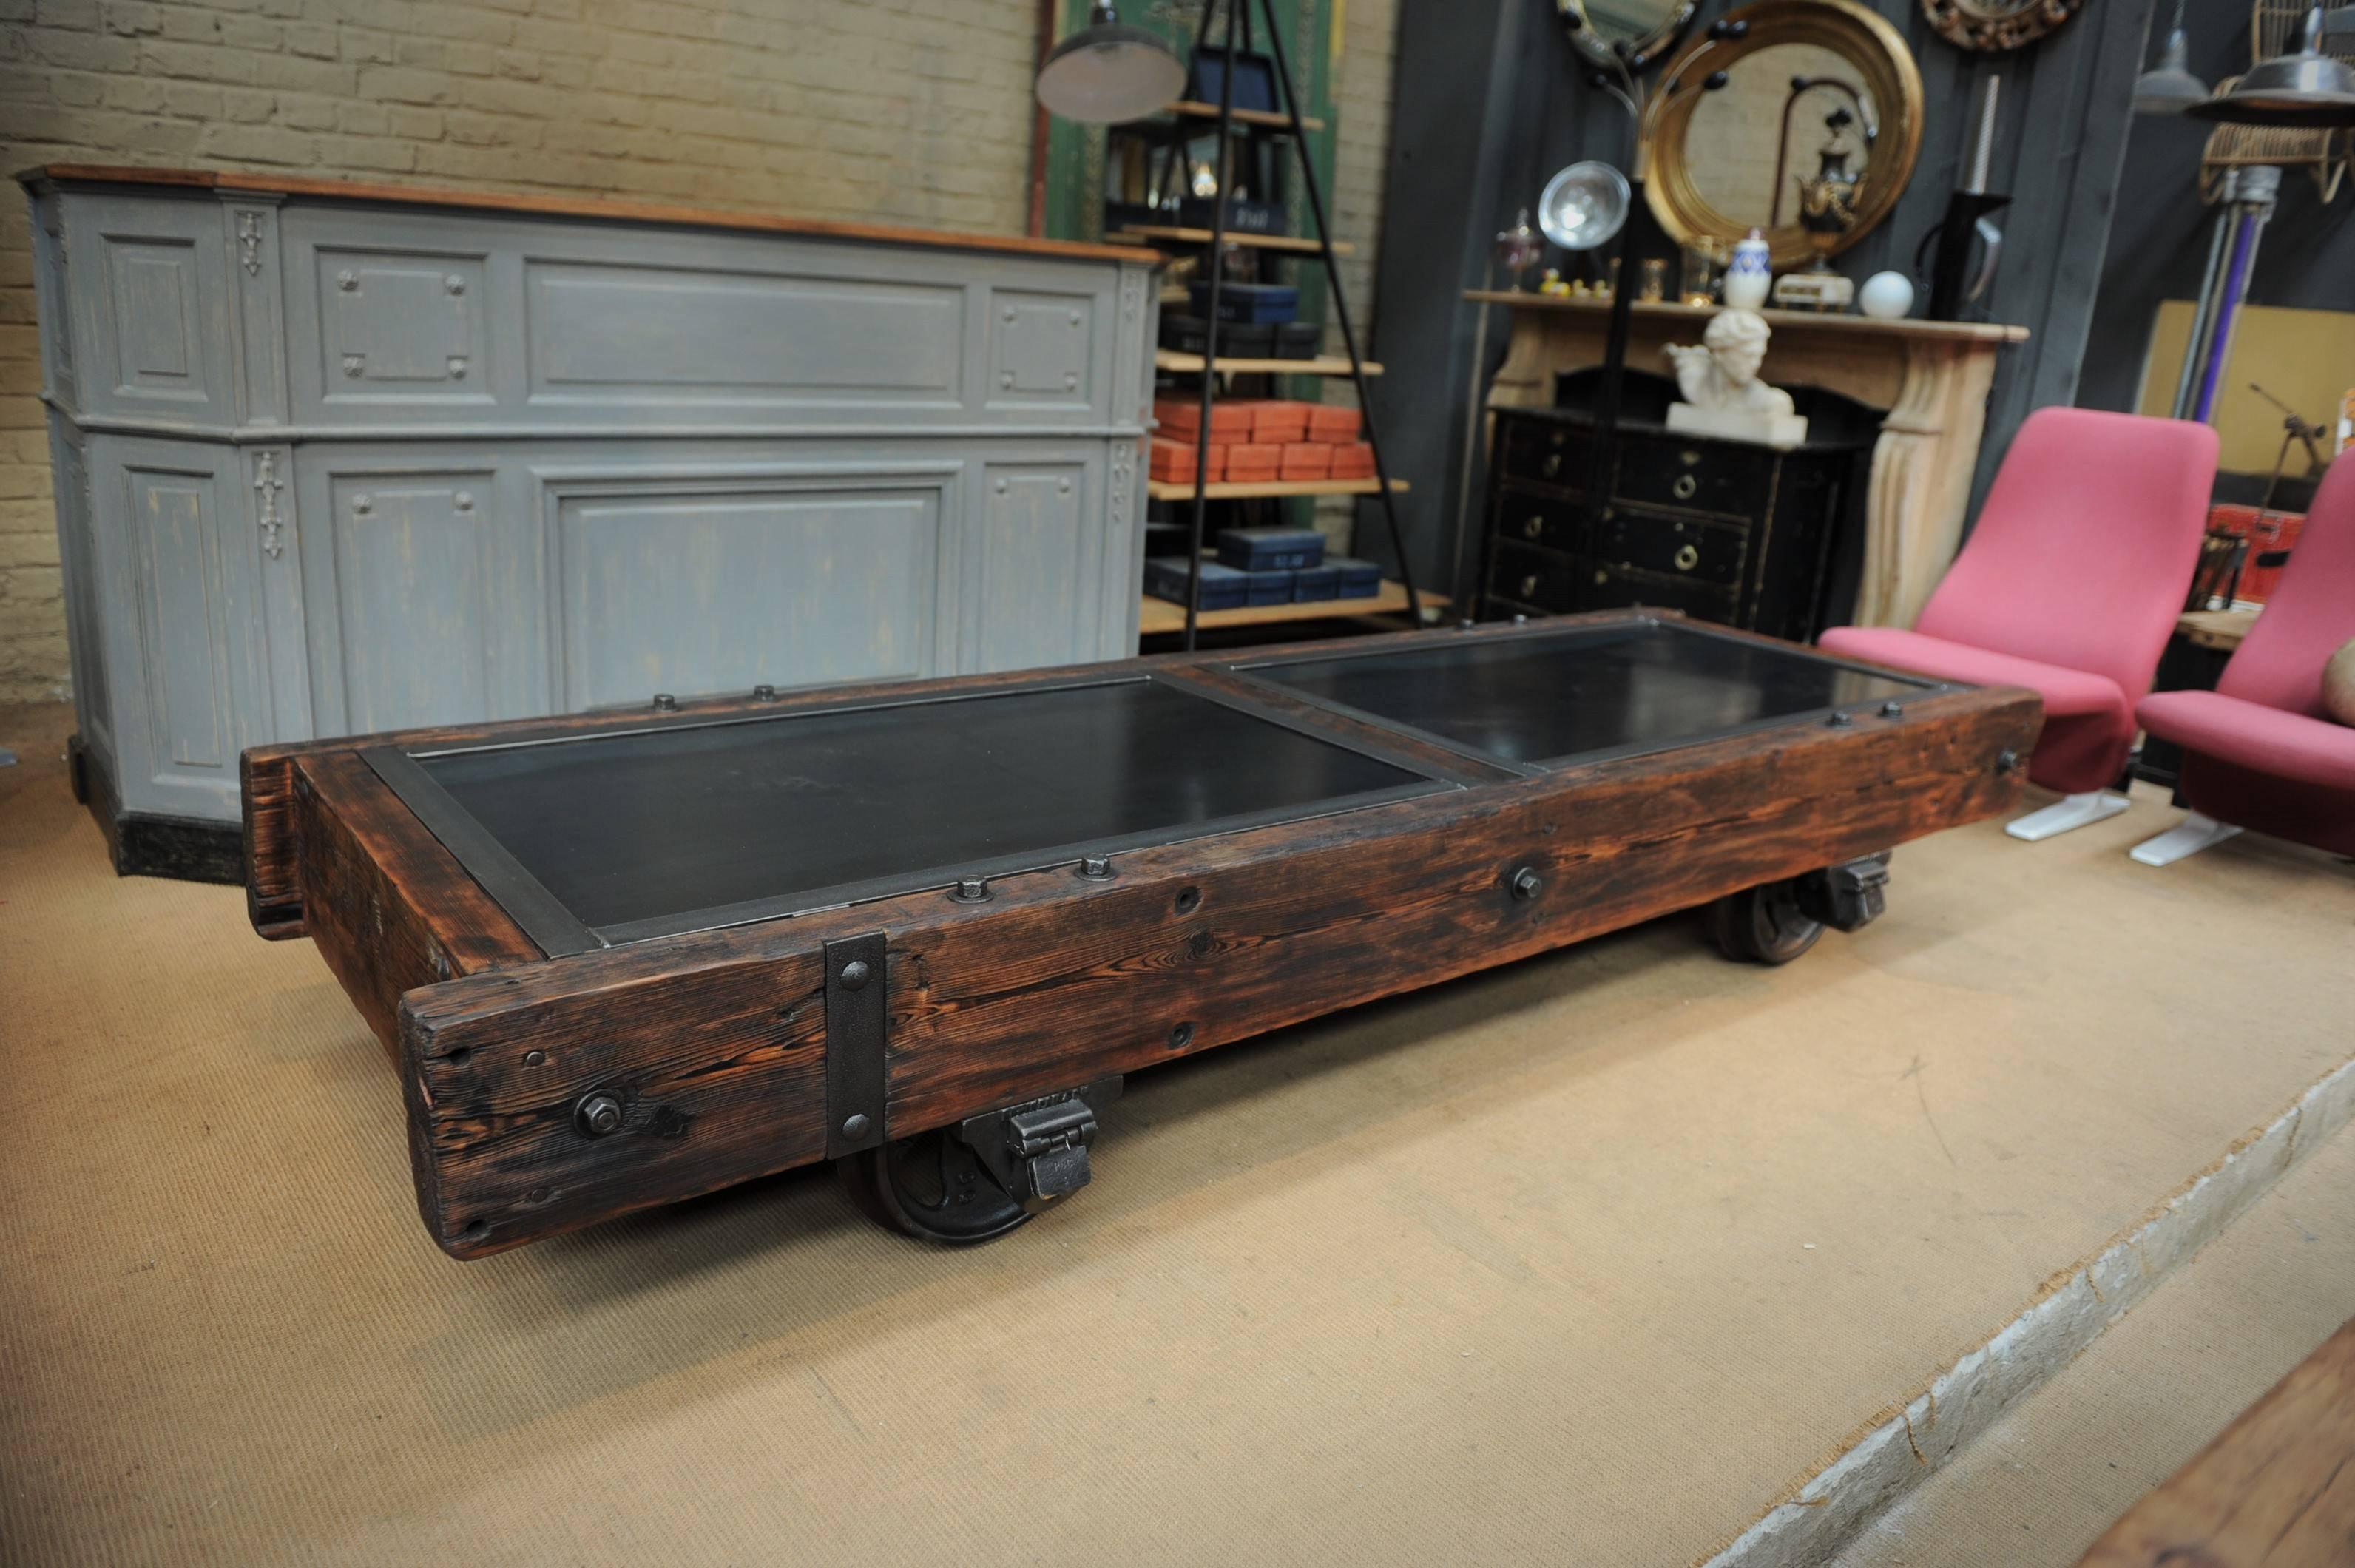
x,y
1583,205
2169,87
1109,71
2306,90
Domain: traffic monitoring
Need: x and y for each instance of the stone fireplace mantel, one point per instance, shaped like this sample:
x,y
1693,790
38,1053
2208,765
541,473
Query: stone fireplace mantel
x,y
1932,376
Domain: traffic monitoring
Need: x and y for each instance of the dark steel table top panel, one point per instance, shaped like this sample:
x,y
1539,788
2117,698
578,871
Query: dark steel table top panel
x,y
1549,699
616,837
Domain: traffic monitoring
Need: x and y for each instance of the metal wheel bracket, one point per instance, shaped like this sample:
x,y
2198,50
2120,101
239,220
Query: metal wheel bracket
x,y
1848,896
1038,1150
857,1029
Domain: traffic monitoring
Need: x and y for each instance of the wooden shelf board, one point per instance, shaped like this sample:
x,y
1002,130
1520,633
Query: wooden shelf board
x,y
1161,615
1166,490
1794,320
1323,365
1140,233
1194,108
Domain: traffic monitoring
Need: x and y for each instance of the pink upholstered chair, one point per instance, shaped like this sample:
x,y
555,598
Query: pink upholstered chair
x,y
2259,752
2070,585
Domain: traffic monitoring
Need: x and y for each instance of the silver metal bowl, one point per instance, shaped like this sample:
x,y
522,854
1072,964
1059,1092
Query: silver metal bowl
x,y
1583,205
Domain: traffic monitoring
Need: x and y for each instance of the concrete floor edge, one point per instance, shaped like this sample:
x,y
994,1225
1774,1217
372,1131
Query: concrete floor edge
x,y
1827,1511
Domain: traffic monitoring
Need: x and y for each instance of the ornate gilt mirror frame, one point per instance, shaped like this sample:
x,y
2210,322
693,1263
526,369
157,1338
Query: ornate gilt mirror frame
x,y
1875,48
1992,26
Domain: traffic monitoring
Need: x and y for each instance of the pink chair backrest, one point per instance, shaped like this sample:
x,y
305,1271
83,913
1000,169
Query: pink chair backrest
x,y
2312,615
2085,549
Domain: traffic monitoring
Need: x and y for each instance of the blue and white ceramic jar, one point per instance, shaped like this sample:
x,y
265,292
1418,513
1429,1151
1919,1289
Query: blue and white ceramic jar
x,y
1750,274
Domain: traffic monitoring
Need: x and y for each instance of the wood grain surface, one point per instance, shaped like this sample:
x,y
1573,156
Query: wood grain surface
x,y
715,1040
387,906
544,204
2276,1489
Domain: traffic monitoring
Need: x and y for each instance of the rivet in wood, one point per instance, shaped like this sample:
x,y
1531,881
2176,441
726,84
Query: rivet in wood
x,y
854,974
1526,884
1181,1035
535,1058
971,891
664,703
1096,868
1892,709
2006,762
855,1127
1839,718
764,693
598,1115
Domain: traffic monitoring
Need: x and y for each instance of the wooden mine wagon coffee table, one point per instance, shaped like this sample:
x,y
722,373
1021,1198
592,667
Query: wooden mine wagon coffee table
x,y
923,929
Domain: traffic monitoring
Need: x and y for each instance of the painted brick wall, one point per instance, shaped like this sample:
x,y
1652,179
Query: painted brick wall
x,y
912,110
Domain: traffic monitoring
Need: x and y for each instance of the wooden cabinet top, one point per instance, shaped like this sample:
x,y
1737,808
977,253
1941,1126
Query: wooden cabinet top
x,y
609,208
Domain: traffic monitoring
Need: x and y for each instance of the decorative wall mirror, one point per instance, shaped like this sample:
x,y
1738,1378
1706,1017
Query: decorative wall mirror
x,y
1993,25
1634,31
1811,139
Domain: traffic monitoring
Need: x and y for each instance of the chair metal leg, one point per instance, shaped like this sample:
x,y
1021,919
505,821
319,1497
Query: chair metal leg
x,y
2193,834
2071,812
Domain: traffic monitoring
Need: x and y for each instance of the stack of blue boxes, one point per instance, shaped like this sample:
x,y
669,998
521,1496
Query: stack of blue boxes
x,y
1266,566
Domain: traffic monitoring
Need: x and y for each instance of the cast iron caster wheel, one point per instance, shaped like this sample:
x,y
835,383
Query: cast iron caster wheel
x,y
1763,924
932,1187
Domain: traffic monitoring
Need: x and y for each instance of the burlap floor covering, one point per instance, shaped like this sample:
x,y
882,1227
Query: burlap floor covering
x,y
1585,1260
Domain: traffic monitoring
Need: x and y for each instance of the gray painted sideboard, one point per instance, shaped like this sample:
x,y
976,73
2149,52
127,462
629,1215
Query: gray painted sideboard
x,y
332,459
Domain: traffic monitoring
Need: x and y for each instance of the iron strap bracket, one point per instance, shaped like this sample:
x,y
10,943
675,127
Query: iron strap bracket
x,y
857,1029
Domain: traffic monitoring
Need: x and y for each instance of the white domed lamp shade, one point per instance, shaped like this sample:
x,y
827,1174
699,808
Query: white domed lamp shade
x,y
2169,87
1109,71
2307,91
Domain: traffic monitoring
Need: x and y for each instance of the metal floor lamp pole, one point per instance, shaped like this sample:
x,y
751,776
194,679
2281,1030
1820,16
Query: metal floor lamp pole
x,y
1238,18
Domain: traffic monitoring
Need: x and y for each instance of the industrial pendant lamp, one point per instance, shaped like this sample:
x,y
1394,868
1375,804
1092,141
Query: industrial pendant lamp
x,y
2169,87
1109,71
2305,90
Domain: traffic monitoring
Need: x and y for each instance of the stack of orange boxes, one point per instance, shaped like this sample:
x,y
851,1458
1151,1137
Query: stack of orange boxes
x,y
1254,440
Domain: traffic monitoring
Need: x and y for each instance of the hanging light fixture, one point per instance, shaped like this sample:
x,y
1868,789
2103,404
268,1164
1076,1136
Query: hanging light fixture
x,y
1109,71
2169,87
2305,90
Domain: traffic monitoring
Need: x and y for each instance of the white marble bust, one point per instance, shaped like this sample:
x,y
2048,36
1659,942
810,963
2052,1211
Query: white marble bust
x,y
1722,394
1723,373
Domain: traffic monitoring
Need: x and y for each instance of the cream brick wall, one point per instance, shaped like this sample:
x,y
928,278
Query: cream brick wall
x,y
1362,105
911,111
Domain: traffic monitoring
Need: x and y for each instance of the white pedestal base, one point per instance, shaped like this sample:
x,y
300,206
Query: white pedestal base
x,y
2071,812
2194,834
1782,432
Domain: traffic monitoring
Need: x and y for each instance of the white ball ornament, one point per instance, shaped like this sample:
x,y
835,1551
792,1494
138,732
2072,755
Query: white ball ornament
x,y
1886,296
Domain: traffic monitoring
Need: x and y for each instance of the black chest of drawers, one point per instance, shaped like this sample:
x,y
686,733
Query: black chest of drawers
x,y
1726,531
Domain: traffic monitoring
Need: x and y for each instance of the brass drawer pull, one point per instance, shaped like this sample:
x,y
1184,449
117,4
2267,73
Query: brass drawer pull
x,y
1534,527
1553,464
1685,487
1529,586
1687,558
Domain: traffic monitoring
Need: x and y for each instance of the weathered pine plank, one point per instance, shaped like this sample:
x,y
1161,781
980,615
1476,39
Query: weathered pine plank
x,y
388,908
715,1039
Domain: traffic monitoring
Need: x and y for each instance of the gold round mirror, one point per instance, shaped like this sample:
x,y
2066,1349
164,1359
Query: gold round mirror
x,y
1601,29
1811,139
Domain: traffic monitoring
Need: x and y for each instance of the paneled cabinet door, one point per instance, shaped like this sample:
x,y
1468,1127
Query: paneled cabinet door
x,y
1035,564
707,575
176,562
422,594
